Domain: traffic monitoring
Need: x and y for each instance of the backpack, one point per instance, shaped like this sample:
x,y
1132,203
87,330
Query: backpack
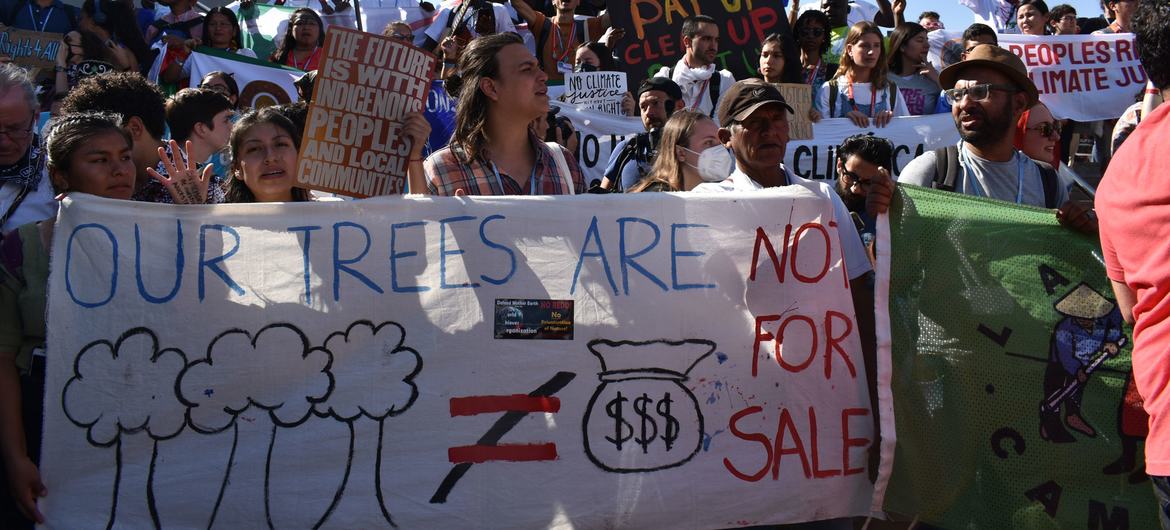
x,y
946,171
712,88
833,98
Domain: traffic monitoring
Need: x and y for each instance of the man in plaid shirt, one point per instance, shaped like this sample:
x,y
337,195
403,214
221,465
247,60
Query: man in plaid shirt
x,y
501,91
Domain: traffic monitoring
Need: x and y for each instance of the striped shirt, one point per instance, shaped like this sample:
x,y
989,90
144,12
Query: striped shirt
x,y
446,173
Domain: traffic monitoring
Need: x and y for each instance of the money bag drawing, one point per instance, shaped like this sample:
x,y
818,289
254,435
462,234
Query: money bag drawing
x,y
642,417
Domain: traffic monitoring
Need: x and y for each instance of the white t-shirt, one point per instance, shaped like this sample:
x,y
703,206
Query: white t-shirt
x,y
999,14
503,21
856,260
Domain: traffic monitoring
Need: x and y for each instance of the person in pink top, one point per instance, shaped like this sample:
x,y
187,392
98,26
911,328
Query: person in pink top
x,y
1133,203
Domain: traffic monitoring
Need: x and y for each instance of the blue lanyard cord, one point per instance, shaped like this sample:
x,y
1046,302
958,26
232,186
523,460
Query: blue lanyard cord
x,y
531,179
965,162
33,17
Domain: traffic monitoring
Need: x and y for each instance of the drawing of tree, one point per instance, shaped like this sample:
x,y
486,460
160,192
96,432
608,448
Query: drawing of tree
x,y
252,385
119,390
375,379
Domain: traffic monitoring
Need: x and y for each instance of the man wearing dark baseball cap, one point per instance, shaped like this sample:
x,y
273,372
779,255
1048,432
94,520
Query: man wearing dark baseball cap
x,y
755,127
754,118
988,92
631,158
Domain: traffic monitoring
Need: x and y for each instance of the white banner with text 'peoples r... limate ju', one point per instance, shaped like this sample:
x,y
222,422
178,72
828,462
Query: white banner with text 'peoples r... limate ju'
x,y
495,362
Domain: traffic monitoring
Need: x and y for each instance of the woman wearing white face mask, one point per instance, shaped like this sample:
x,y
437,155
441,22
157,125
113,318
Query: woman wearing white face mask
x,y
688,154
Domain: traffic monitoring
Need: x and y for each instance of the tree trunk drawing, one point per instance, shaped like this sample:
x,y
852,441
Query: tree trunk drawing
x,y
133,499
359,502
243,497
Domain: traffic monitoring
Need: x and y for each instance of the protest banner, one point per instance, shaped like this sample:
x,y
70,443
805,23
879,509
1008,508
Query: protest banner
x,y
813,159
655,39
816,158
1079,77
799,97
365,87
992,431
261,83
599,91
520,362
31,49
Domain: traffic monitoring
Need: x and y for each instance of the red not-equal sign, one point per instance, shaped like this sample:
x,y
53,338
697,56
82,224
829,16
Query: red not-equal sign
x,y
488,448
516,403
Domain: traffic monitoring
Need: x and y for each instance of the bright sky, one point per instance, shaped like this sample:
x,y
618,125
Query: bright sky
x,y
955,16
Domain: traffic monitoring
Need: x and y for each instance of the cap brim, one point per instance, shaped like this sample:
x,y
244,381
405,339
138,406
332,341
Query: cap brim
x,y
948,76
743,114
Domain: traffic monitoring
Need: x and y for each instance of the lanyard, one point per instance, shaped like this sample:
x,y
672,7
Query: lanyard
x,y
292,58
872,99
500,180
563,45
33,17
965,162
702,90
812,75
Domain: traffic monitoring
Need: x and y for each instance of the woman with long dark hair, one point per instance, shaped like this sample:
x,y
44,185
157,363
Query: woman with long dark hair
x,y
917,80
301,46
264,146
109,33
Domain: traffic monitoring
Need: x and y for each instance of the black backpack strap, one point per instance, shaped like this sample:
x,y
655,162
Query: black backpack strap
x,y
893,95
946,168
1051,182
714,88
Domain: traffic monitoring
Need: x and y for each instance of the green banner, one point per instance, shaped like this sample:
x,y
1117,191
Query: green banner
x,y
1010,371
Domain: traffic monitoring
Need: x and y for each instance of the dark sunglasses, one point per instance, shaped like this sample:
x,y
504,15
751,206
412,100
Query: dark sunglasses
x,y
1047,129
812,32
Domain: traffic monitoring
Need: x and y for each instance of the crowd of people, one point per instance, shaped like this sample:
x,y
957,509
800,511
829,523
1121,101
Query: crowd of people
x,y
128,123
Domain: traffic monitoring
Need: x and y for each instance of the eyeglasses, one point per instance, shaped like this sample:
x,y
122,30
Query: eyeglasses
x,y
1047,129
20,132
976,92
812,32
222,89
857,180
402,36
306,22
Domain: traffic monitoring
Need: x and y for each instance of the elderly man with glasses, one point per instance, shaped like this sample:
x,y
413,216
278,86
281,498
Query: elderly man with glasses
x,y
988,91
25,193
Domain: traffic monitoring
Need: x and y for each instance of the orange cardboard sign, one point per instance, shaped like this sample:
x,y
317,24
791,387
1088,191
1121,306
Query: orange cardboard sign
x,y
353,143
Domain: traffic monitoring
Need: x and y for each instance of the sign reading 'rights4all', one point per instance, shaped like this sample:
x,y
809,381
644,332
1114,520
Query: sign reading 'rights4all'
x,y
366,86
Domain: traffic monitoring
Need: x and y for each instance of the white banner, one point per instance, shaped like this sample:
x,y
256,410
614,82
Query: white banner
x,y
811,159
1080,77
816,158
600,91
568,362
261,83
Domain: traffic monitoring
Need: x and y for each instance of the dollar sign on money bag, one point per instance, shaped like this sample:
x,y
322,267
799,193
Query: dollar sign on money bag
x,y
642,417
